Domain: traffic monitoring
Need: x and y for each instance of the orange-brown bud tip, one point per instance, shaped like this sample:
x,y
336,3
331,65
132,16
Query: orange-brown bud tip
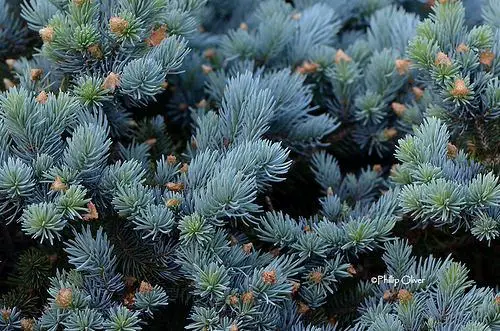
x,y
452,151
442,60
341,56
462,48
486,58
171,159
92,214
64,297
42,97
460,89
398,108
419,93
404,296
157,36
58,185
118,25
176,187
403,66
269,277
47,34
36,74
145,287
111,82
390,133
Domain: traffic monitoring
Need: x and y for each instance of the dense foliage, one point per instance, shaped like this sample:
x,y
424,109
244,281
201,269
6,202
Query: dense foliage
x,y
250,165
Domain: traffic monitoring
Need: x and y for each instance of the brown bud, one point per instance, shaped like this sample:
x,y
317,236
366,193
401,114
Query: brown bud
x,y
111,82
233,300
247,297
151,141
129,281
202,104
329,191
79,3
296,16
176,187
95,51
171,159
8,83
497,300
10,63
58,185
118,25
129,299
316,277
404,296
157,36
307,228
5,313
462,48
173,203
377,168
300,70
233,327
460,89
36,74
486,58
206,69
341,56
47,34
310,67
398,108
92,214
184,168
244,26
164,85
389,295
419,93
247,248
209,53
307,68
302,308
452,151
64,298
183,106
145,287
442,60
471,147
42,97
269,277
27,324
403,66
390,133
352,270
295,287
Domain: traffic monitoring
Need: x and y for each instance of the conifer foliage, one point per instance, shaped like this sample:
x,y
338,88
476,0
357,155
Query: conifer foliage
x,y
249,165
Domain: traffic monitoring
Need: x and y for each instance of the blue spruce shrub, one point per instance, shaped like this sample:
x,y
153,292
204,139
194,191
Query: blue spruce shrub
x,y
146,146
